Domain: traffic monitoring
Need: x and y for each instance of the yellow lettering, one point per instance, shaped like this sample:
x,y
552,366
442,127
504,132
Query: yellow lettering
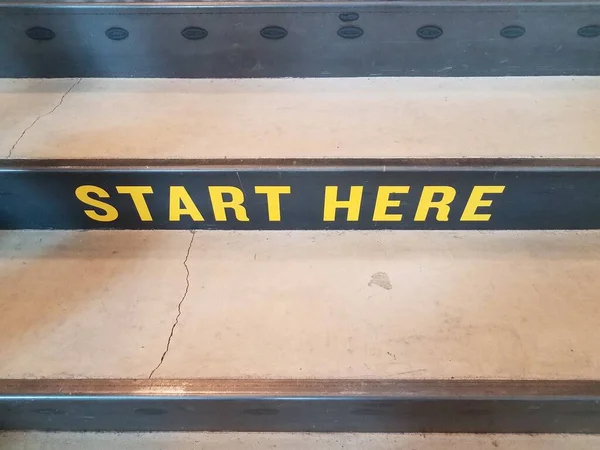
x,y
383,202
476,201
332,204
426,203
219,204
83,194
178,195
273,203
137,195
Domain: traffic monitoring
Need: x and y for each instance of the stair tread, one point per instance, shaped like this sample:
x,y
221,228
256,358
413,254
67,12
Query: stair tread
x,y
232,441
295,118
506,305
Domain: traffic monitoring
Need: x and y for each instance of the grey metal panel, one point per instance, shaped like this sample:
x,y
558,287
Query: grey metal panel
x,y
482,406
470,44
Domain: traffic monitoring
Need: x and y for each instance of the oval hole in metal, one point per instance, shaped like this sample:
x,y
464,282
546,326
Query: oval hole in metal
x,y
40,33
512,31
349,16
589,31
350,32
273,32
117,34
194,33
430,32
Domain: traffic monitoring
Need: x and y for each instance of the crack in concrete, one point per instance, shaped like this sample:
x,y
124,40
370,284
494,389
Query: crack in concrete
x,y
187,288
10,152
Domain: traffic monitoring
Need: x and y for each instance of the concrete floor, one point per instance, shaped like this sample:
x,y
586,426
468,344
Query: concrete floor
x,y
300,304
391,117
289,441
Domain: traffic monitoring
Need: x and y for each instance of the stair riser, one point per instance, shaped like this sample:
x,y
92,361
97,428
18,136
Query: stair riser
x,y
302,195
296,39
301,405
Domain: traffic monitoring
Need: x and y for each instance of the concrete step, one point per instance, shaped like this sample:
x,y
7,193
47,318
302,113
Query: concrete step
x,y
300,118
235,441
409,305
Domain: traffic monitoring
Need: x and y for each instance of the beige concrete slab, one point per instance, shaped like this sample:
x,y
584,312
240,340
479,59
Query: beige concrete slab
x,y
388,117
87,304
390,305
302,304
243,441
22,103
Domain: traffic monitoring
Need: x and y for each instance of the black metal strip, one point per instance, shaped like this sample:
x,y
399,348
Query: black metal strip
x,y
481,406
299,39
474,194
468,163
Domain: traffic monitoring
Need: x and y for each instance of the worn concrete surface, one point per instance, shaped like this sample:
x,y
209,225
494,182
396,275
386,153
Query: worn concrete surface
x,y
244,441
76,304
23,103
300,304
391,117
